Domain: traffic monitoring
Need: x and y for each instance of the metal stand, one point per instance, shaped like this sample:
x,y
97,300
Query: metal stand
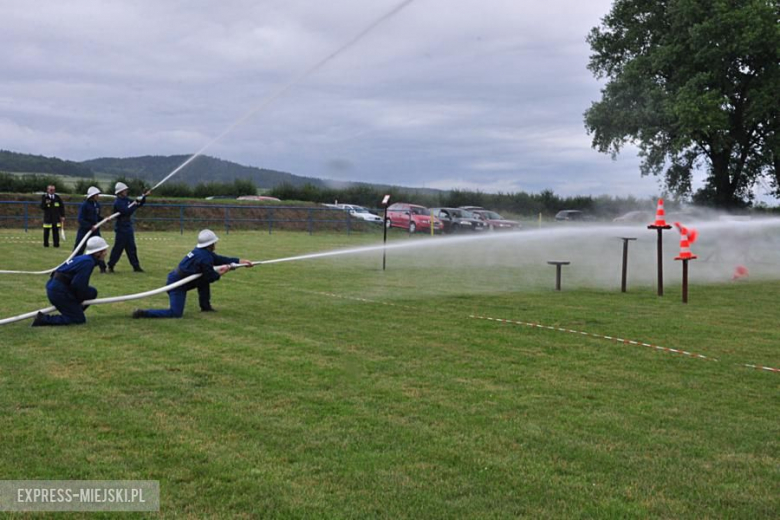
x,y
625,263
385,202
558,273
384,244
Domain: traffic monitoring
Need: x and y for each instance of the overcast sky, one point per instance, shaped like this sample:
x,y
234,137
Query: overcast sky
x,y
472,94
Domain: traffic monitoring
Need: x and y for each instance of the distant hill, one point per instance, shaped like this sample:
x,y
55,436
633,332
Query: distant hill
x,y
152,168
26,163
203,169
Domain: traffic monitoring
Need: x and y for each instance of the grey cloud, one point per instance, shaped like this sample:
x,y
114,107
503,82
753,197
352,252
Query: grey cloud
x,y
485,95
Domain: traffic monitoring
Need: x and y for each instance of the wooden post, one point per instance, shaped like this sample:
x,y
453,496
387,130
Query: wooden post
x,y
660,249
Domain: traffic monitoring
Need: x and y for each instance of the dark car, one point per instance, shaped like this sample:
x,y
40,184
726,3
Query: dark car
x,y
458,220
496,222
572,215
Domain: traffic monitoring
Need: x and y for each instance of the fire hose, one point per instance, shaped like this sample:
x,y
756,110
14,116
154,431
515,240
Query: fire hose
x,y
117,299
172,286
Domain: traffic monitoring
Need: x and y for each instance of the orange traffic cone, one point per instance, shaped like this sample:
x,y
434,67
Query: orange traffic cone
x,y
685,242
660,216
740,272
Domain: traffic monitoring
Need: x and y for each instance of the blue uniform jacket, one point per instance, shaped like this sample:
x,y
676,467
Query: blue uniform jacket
x,y
200,260
89,214
79,269
125,210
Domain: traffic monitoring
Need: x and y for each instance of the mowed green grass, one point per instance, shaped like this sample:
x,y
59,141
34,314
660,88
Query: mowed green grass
x,y
299,400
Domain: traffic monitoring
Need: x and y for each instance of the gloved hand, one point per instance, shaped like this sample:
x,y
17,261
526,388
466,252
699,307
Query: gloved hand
x,y
245,262
141,200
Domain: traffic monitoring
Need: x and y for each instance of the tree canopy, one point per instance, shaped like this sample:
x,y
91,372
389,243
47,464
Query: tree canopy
x,y
694,84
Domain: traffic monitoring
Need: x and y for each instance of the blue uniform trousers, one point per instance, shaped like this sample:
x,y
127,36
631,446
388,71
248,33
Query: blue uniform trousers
x,y
124,241
71,309
178,297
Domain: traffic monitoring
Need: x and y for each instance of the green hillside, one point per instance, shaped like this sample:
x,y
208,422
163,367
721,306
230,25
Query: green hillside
x,y
14,162
202,169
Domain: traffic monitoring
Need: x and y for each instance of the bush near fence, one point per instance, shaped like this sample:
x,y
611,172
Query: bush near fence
x,y
180,215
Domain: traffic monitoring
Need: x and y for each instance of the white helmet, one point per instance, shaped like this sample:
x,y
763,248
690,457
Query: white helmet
x,y
206,238
95,245
92,191
120,187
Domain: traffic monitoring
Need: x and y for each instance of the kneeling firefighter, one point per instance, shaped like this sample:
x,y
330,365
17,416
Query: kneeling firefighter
x,y
202,260
69,286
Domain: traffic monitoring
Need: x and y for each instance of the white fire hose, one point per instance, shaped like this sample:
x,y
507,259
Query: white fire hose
x,y
125,298
172,286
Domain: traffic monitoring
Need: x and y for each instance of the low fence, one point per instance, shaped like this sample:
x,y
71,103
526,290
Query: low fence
x,y
27,215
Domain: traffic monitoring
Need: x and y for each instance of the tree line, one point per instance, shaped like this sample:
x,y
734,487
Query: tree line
x,y
37,183
520,203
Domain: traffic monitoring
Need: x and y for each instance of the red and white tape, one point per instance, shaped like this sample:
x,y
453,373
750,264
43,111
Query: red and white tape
x,y
759,367
548,327
592,335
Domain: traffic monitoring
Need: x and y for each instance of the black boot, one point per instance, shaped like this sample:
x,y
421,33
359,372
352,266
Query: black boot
x,y
39,321
139,313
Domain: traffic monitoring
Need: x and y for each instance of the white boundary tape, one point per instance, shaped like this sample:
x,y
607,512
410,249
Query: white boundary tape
x,y
592,335
537,325
559,329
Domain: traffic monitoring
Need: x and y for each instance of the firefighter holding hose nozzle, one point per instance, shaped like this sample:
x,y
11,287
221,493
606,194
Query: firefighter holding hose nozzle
x,y
125,236
69,286
201,260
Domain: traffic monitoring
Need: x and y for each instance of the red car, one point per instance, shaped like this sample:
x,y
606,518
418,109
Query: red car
x,y
411,217
496,222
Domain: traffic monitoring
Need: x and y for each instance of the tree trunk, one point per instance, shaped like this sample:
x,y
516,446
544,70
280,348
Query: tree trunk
x,y
721,181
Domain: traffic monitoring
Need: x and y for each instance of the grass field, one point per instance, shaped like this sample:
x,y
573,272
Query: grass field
x,y
328,388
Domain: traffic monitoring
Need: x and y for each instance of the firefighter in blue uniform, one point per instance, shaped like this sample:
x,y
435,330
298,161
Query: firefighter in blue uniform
x,y
202,260
53,215
89,216
124,239
69,287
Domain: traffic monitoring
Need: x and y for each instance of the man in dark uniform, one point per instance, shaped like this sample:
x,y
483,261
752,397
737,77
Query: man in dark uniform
x,y
68,286
53,215
125,237
89,216
202,260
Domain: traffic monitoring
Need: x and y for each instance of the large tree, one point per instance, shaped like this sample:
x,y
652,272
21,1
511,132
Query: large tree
x,y
694,84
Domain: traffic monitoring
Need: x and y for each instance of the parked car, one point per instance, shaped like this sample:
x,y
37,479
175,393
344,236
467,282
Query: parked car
x,y
496,222
412,217
644,217
259,198
358,212
363,213
458,220
572,215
